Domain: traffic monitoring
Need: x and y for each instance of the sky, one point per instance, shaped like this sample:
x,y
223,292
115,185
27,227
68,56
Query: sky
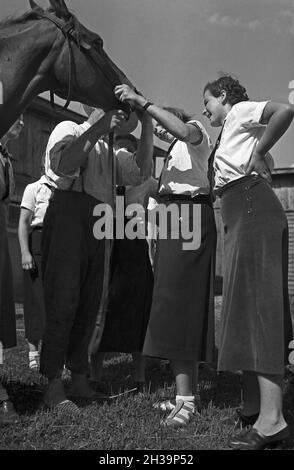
x,y
171,48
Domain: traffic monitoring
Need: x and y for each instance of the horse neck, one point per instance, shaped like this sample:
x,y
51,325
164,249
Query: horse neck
x,y
27,56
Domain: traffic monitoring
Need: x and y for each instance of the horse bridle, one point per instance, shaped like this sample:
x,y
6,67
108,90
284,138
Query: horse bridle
x,y
68,30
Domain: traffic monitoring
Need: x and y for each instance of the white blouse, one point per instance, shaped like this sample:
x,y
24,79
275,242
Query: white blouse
x,y
36,198
241,133
185,170
94,180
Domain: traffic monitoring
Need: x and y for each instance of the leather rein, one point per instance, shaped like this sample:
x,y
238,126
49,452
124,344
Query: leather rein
x,y
68,30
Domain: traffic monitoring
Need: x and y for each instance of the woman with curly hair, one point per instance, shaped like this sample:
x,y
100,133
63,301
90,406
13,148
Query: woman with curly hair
x,y
255,320
181,325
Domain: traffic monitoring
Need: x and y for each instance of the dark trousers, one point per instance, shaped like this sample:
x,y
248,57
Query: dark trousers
x,y
72,262
34,308
7,310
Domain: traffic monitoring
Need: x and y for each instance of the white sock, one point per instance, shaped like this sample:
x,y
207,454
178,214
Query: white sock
x,y
189,401
33,354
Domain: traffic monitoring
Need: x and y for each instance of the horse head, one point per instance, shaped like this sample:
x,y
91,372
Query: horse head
x,y
82,71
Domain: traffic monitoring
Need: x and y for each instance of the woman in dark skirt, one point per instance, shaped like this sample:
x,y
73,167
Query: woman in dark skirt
x,y
129,305
181,326
255,320
129,298
131,285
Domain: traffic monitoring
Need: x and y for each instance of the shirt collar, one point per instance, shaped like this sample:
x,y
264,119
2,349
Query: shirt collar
x,y
85,125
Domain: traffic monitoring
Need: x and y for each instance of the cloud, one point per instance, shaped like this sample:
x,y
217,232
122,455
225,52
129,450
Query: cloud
x,y
223,20
255,25
232,21
286,18
281,22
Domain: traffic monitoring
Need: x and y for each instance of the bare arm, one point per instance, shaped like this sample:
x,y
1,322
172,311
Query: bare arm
x,y
278,117
174,125
25,219
75,154
145,147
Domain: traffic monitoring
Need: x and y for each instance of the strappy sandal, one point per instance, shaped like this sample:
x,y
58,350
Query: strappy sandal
x,y
180,416
168,405
34,361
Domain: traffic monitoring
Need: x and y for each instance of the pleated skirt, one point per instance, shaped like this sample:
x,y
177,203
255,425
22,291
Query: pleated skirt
x,y
255,318
181,325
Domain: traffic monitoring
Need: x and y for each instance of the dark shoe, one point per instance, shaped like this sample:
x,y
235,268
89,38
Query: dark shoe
x,y
66,407
8,414
255,440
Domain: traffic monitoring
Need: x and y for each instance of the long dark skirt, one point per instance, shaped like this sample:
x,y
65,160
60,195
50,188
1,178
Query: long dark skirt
x,y
34,308
181,325
7,309
130,297
255,319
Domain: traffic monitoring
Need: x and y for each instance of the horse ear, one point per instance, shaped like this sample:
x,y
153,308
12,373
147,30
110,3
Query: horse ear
x,y
34,5
60,8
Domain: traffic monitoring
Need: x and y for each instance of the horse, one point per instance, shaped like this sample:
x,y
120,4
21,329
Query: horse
x,y
51,50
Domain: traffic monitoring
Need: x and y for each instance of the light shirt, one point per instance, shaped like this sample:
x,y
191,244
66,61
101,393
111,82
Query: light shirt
x,y
241,133
185,170
94,179
36,198
2,178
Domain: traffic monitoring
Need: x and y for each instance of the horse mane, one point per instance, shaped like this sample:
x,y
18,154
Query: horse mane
x,y
11,20
34,15
27,16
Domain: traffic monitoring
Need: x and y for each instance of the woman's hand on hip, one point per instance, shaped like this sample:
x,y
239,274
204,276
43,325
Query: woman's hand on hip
x,y
258,164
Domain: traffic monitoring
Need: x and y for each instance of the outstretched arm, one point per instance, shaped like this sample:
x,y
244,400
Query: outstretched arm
x,y
169,121
145,147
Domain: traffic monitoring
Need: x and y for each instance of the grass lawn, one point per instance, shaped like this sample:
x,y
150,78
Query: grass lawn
x,y
127,422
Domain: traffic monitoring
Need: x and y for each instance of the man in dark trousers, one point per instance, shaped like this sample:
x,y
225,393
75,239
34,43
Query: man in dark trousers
x,y
77,161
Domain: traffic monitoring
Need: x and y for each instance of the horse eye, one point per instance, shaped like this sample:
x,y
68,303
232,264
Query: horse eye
x,y
98,43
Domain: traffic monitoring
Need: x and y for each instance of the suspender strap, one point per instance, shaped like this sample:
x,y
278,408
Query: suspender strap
x,y
210,172
6,156
165,161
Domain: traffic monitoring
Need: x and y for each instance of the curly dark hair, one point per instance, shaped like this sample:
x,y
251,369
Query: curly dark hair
x,y
127,137
235,91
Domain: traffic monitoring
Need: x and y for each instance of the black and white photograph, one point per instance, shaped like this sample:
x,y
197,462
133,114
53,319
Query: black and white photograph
x,y
147,229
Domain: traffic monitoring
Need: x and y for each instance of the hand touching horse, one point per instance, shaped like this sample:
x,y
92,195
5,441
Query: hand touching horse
x,y
50,50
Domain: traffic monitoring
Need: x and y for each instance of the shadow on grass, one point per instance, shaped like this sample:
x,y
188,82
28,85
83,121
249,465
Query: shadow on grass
x,y
26,397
